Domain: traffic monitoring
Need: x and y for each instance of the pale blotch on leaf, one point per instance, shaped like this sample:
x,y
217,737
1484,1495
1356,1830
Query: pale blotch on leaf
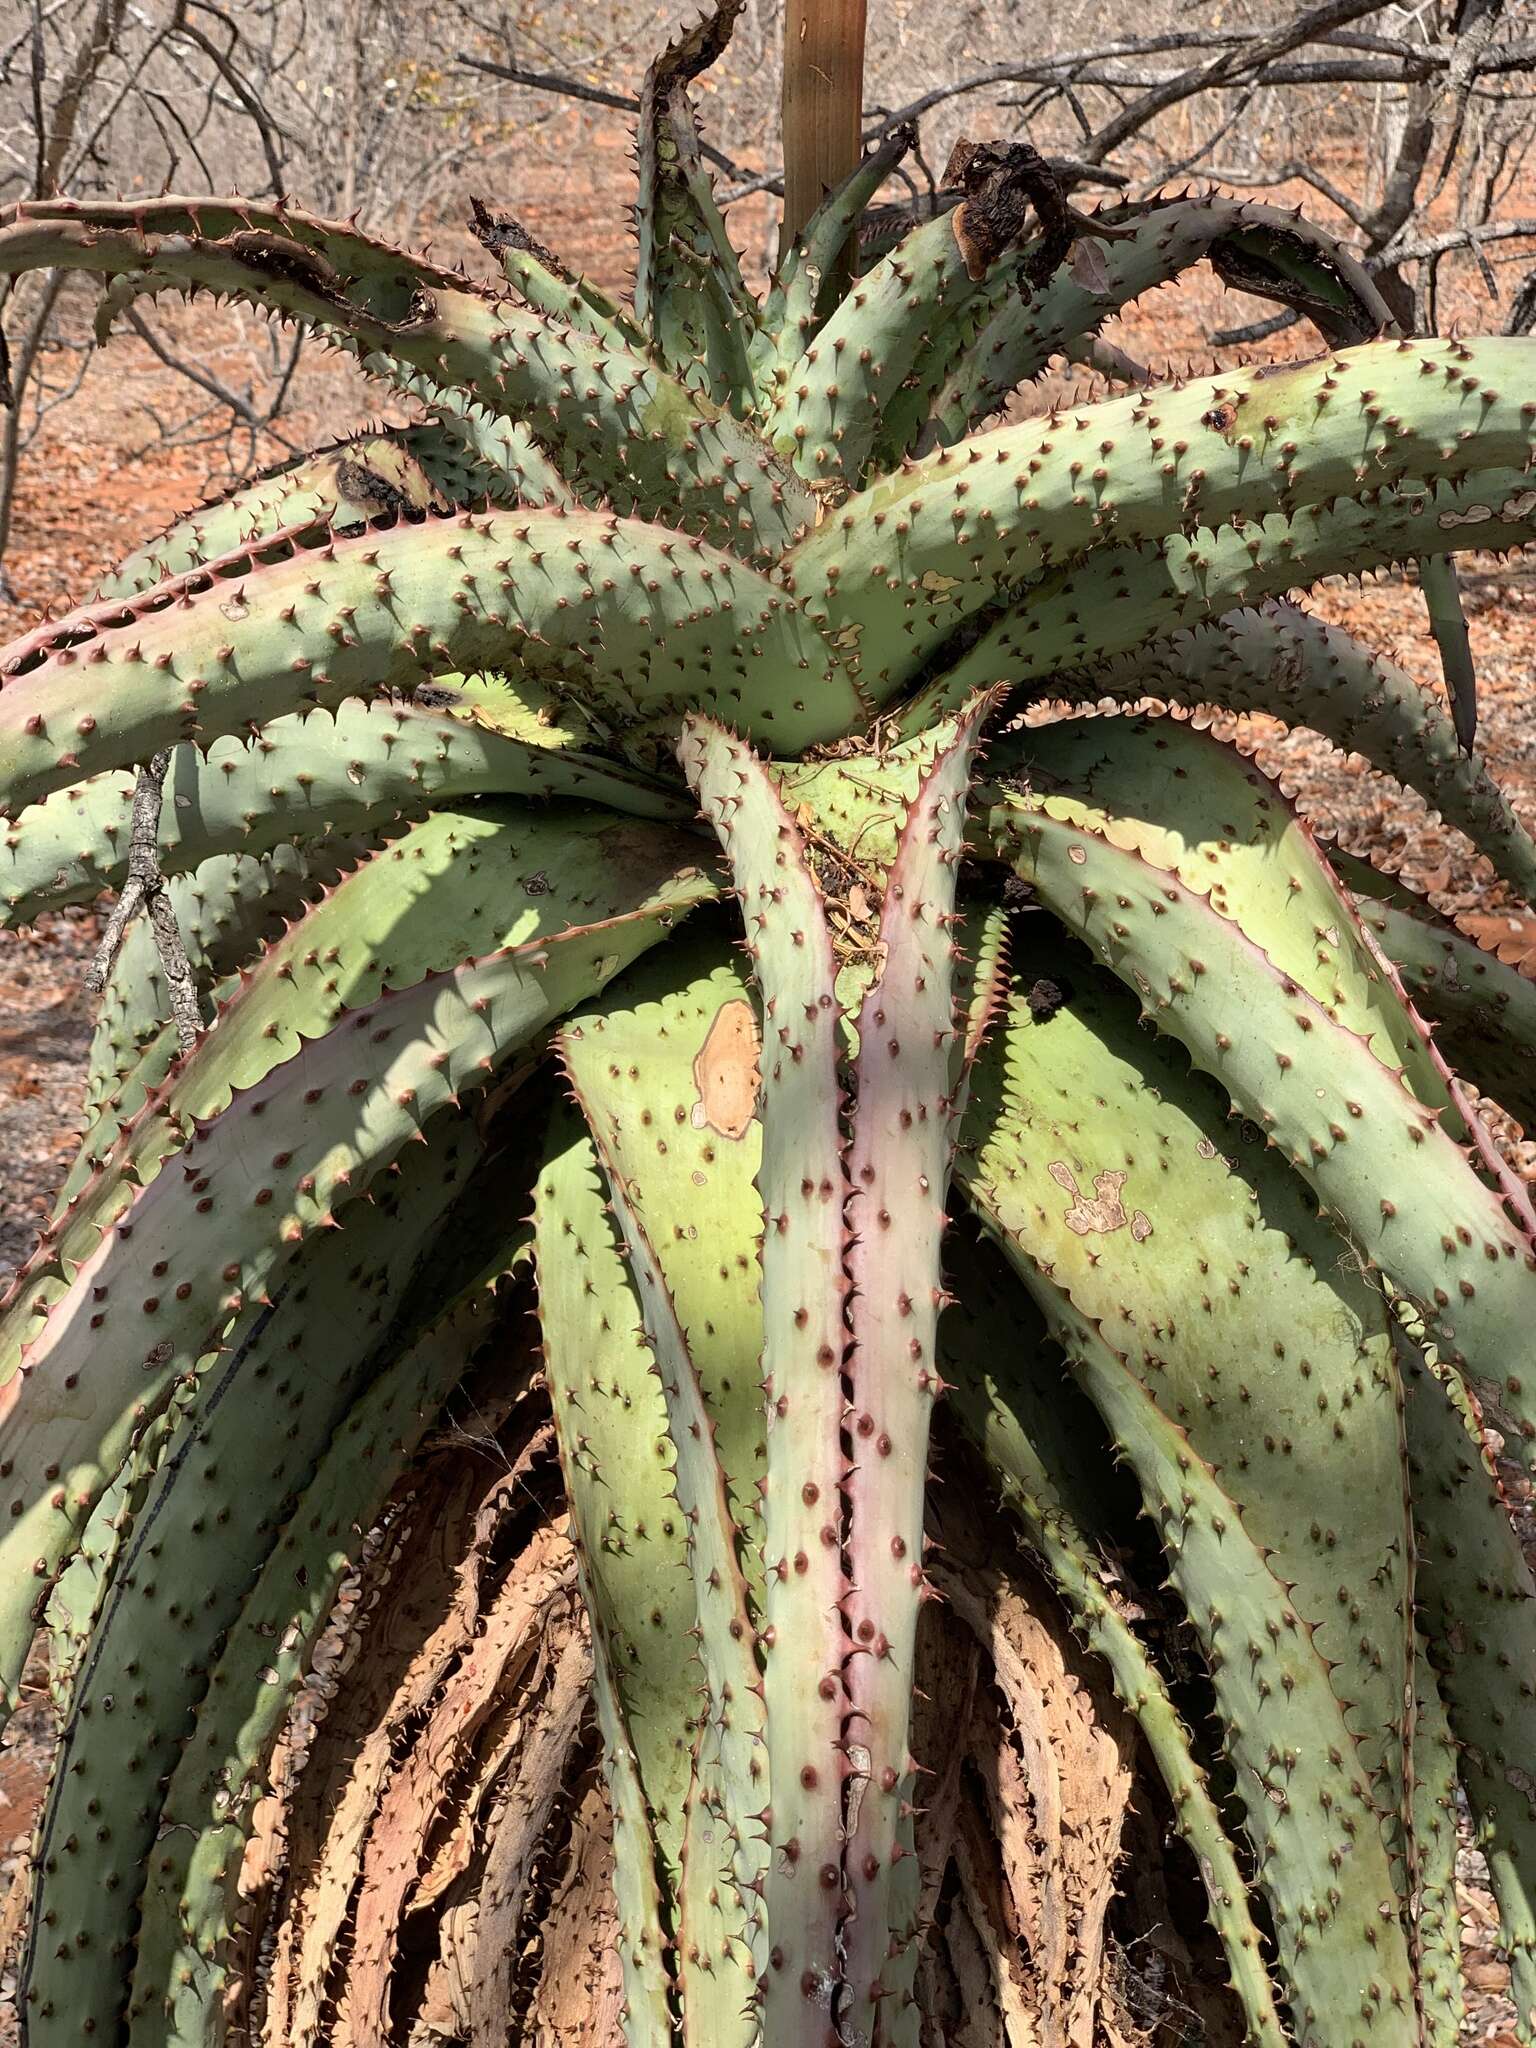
x,y
725,1072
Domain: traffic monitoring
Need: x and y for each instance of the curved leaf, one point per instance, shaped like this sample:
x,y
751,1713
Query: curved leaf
x,y
624,618
627,431
1260,249
803,1288
1483,1012
1280,661
1343,1118
798,296
288,1377
196,1243
1096,1150
1480,1612
900,567
1316,1835
308,777
690,295
191,1896
1119,597
991,1343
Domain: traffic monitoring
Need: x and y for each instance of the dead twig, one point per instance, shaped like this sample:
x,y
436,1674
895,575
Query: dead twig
x,y
145,890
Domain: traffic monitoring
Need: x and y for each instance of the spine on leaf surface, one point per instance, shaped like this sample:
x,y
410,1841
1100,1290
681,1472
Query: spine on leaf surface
x,y
803,1285
904,1119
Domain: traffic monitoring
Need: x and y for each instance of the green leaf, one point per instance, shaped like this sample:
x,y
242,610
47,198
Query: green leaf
x,y
630,621
1012,1403
800,296
1259,249
1116,598
1193,1248
289,1374
898,569
1343,1117
1315,1832
631,1541
181,1256
626,430
690,295
1479,1604
191,1895
1288,665
1483,1013
312,778
905,1112
804,1337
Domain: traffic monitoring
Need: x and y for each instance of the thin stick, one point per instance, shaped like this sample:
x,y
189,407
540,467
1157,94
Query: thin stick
x,y
145,887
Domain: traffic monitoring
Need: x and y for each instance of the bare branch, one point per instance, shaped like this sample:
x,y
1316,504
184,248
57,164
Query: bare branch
x,y
1235,65
1292,171
145,889
1470,237
200,375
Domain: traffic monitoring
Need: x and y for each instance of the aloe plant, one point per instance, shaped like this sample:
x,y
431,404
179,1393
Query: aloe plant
x,y
604,832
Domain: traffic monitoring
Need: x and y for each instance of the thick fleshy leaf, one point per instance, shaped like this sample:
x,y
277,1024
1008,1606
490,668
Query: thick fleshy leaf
x,y
1316,1833
665,1065
558,596
1280,661
905,1111
1187,803
626,430
826,407
1118,597
269,1406
191,1897
689,292
896,571
801,293
720,1932
1479,1604
803,1288
1483,1012
308,778
519,875
1008,1393
611,1424
1099,1149
1448,624
1344,1119
1267,252
207,1234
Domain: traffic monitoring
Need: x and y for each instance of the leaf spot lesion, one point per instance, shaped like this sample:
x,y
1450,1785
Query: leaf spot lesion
x,y
1104,1211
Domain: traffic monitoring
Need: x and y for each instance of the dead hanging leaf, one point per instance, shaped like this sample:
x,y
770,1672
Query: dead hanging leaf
x,y
539,1592
541,1784
444,2008
429,1578
578,2000
396,1675
1005,183
1035,1840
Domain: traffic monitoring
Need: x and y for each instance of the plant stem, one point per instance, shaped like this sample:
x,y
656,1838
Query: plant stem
x,y
822,102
